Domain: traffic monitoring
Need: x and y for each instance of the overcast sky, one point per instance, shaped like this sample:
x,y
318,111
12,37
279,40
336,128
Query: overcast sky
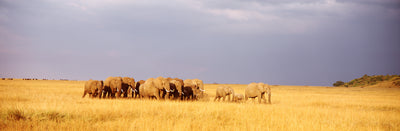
x,y
285,42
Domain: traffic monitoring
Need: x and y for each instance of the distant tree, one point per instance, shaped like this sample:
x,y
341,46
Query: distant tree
x,y
338,83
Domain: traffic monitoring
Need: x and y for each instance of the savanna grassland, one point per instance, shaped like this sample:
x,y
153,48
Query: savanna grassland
x,y
58,105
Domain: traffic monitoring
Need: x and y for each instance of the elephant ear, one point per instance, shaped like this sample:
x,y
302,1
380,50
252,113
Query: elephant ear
x,y
267,88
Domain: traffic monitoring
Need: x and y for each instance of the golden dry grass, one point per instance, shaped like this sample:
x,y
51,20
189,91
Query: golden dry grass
x,y
57,105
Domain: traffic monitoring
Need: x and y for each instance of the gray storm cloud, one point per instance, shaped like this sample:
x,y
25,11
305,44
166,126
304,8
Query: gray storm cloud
x,y
307,42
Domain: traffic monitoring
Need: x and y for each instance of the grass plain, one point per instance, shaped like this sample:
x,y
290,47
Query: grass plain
x,y
58,105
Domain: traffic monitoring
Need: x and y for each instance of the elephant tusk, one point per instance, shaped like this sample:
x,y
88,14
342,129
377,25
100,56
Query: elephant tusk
x,y
136,90
202,90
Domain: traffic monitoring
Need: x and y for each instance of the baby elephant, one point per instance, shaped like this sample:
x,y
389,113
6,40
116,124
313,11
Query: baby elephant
x,y
238,98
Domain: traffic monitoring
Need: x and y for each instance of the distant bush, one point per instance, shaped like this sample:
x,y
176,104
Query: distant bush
x,y
338,83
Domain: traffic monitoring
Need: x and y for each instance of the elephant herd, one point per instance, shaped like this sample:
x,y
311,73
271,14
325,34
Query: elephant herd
x,y
158,88
169,88
253,90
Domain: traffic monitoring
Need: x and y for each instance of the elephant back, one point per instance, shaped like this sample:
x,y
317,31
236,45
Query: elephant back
x,y
189,83
87,84
108,80
251,88
179,80
117,81
129,81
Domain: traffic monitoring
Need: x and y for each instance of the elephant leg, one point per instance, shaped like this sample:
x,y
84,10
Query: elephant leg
x,y
215,98
269,98
100,95
263,97
259,98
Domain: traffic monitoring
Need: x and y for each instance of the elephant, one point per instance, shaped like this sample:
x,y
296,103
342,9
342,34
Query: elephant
x,y
254,90
148,89
176,88
112,85
196,85
136,92
154,87
187,93
127,84
93,88
189,88
166,91
224,91
238,98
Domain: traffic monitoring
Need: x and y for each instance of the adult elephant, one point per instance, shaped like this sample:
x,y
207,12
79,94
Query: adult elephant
x,y
127,84
187,93
224,91
189,88
136,90
112,85
153,87
176,89
166,88
196,85
259,90
93,88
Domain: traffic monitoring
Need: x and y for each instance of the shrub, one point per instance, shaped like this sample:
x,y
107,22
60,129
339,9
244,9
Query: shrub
x,y
338,83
